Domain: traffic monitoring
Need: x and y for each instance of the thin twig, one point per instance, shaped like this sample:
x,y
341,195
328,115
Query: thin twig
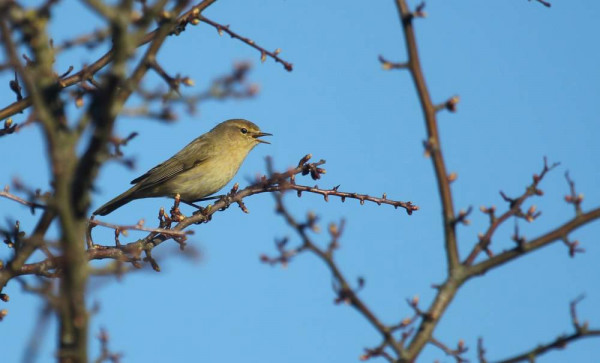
x,y
131,252
556,234
86,72
581,331
456,353
514,210
263,52
345,292
6,194
408,206
543,2
140,227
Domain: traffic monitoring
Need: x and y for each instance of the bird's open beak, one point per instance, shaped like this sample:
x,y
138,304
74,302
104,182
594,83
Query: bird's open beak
x,y
261,134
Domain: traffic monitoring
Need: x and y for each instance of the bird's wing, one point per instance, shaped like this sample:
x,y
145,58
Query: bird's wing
x,y
184,160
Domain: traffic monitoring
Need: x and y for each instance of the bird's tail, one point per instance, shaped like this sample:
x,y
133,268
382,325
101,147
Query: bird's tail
x,y
117,202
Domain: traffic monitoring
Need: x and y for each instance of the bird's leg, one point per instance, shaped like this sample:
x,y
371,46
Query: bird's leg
x,y
193,205
209,198
201,209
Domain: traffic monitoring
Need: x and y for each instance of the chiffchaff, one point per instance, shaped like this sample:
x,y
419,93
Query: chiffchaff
x,y
200,169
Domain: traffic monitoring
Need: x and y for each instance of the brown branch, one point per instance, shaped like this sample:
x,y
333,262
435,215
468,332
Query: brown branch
x,y
556,234
408,206
130,252
481,351
14,265
34,78
457,273
455,353
109,100
455,278
89,41
581,331
140,227
545,3
173,82
345,292
44,88
514,210
433,139
88,71
105,353
408,321
6,194
263,52
232,85
573,197
378,351
560,343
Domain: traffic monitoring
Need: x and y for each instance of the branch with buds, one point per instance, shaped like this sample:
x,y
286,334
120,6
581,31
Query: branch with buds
x,y
515,204
31,204
581,331
461,271
456,353
263,52
344,291
131,252
88,71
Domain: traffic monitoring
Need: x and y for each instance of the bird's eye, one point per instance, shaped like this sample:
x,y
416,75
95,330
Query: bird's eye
x,y
244,131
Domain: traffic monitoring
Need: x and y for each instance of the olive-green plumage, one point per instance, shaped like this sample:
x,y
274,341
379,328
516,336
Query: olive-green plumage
x,y
200,169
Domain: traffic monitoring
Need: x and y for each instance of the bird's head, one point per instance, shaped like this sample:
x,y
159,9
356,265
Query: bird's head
x,y
242,134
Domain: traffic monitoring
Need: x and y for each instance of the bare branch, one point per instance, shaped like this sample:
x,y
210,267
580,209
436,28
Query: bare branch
x,y
433,149
86,72
344,290
131,252
408,206
581,331
105,353
556,234
543,2
140,227
514,209
263,52
433,142
33,205
455,353
573,198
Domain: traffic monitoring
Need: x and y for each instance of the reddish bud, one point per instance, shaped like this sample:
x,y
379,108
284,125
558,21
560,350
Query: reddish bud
x,y
415,300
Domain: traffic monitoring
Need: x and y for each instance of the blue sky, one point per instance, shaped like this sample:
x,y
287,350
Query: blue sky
x,y
529,86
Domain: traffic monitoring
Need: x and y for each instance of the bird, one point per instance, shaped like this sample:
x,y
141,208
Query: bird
x,y
200,169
